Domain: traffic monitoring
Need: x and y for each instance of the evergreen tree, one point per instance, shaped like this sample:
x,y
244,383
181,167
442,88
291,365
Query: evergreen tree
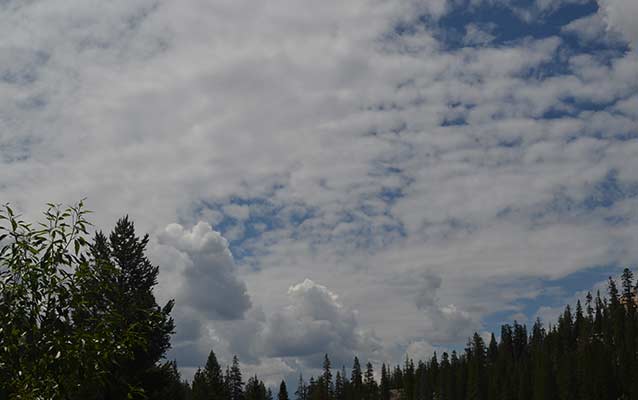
x,y
356,380
171,387
208,384
135,301
255,389
445,382
235,382
327,385
301,393
476,383
339,387
385,383
409,379
371,390
347,386
589,354
283,392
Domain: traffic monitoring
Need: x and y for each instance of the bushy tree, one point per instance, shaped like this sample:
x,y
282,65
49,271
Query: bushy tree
x,y
79,320
58,328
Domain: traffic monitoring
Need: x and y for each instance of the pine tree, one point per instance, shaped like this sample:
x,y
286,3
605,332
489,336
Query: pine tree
x,y
301,393
445,382
628,357
476,387
283,392
199,386
235,383
356,380
589,354
136,303
339,387
408,379
171,387
254,389
327,385
385,383
208,384
371,390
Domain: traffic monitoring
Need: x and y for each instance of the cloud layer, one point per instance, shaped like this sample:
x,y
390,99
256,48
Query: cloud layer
x,y
418,161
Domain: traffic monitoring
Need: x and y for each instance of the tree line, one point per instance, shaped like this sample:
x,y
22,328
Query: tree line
x,y
589,354
79,320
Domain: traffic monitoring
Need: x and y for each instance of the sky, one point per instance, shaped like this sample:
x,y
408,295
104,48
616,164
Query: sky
x,y
361,177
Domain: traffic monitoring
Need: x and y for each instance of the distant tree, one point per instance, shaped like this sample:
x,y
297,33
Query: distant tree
x,y
356,380
255,389
235,382
409,379
199,386
385,383
283,392
208,384
327,389
371,390
476,355
445,385
340,393
301,393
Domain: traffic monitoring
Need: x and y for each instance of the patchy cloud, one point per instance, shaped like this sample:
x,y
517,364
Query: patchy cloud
x,y
448,323
620,16
341,142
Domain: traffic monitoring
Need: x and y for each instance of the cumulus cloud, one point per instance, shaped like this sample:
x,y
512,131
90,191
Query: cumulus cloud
x,y
209,281
314,323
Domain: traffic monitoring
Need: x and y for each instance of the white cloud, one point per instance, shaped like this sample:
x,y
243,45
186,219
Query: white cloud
x,y
198,271
420,350
592,28
372,152
477,35
236,211
315,323
620,15
448,323
209,283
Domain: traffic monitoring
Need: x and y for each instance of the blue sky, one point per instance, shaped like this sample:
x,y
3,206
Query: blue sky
x,y
354,178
